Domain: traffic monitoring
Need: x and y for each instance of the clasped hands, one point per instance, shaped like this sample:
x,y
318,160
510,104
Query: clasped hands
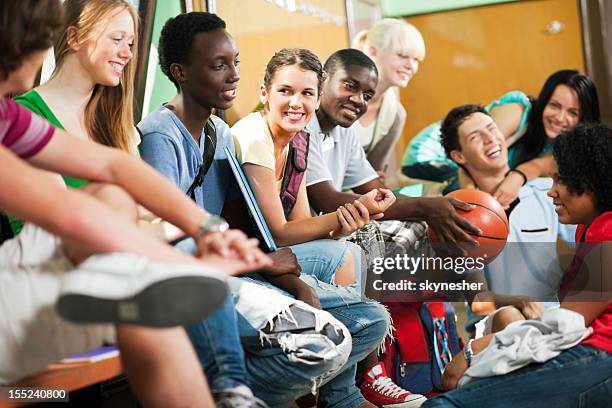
x,y
370,206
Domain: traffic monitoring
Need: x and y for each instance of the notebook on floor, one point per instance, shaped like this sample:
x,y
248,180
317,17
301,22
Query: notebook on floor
x,y
249,197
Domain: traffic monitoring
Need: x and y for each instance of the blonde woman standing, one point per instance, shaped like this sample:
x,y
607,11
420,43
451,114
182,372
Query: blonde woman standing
x,y
397,48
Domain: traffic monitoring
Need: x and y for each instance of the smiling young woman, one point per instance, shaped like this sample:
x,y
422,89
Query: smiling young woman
x,y
290,96
397,48
90,93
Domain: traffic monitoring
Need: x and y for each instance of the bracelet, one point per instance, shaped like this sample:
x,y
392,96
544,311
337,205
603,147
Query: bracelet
x,y
468,353
519,172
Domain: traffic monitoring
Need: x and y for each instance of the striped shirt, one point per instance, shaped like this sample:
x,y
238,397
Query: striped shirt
x,y
22,132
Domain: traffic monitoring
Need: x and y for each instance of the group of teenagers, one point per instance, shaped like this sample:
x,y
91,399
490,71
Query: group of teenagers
x,y
138,251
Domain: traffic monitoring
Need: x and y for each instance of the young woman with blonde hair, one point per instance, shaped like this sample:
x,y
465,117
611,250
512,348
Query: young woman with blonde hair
x,y
90,93
397,48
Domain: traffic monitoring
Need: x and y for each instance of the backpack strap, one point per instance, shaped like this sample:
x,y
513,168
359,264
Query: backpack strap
x,y
295,169
207,157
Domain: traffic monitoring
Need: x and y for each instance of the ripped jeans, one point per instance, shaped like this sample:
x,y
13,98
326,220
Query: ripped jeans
x,y
366,321
282,367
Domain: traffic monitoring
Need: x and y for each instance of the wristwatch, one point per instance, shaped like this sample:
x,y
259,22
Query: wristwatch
x,y
214,223
468,353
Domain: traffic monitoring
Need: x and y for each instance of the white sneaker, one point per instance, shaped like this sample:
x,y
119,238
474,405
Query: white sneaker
x,y
131,289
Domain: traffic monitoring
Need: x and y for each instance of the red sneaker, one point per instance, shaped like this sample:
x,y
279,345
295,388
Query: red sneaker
x,y
383,392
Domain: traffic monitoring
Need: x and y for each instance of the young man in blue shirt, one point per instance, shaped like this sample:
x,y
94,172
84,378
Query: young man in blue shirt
x,y
526,276
200,58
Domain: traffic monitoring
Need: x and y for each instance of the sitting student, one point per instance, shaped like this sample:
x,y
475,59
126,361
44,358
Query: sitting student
x,y
566,99
335,165
175,136
36,268
527,271
581,375
93,32
425,158
290,94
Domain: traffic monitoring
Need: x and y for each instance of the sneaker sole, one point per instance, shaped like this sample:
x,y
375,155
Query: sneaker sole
x,y
176,301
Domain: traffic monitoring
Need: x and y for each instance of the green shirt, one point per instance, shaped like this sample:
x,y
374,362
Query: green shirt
x,y
33,102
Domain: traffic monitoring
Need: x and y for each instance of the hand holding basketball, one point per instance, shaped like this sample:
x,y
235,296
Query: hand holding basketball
x,y
486,214
444,221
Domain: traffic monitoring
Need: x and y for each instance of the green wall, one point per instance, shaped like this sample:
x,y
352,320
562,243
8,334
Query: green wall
x,y
158,85
399,8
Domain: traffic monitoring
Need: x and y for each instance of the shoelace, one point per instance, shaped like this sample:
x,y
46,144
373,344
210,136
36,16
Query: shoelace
x,y
388,388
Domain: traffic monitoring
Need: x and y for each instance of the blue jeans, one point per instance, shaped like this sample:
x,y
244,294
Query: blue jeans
x,y
578,377
367,321
218,342
323,257
219,350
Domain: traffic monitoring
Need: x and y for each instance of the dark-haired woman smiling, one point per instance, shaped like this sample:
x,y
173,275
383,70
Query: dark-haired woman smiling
x,y
566,99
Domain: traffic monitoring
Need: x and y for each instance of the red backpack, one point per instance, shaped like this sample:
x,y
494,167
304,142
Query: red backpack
x,y
295,169
425,341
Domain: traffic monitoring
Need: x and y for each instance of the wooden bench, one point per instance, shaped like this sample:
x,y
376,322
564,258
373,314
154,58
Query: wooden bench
x,y
70,376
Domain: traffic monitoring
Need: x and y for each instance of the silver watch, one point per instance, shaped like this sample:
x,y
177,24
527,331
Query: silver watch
x,y
214,223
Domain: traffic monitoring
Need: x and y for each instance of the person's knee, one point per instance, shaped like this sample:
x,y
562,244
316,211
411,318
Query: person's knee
x,y
504,317
345,275
380,318
115,197
324,348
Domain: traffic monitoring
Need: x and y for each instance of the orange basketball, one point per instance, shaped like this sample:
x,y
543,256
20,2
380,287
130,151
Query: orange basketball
x,y
489,216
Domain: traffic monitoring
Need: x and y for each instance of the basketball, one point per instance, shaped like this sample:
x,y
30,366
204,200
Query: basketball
x,y
489,216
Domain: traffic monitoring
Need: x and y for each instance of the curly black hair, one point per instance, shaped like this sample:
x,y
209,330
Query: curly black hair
x,y
26,26
177,37
449,131
584,159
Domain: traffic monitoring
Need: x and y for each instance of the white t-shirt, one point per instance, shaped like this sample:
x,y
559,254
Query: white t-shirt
x,y
337,157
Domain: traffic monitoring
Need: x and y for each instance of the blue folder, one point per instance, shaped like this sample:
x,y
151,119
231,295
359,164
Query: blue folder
x,y
249,197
